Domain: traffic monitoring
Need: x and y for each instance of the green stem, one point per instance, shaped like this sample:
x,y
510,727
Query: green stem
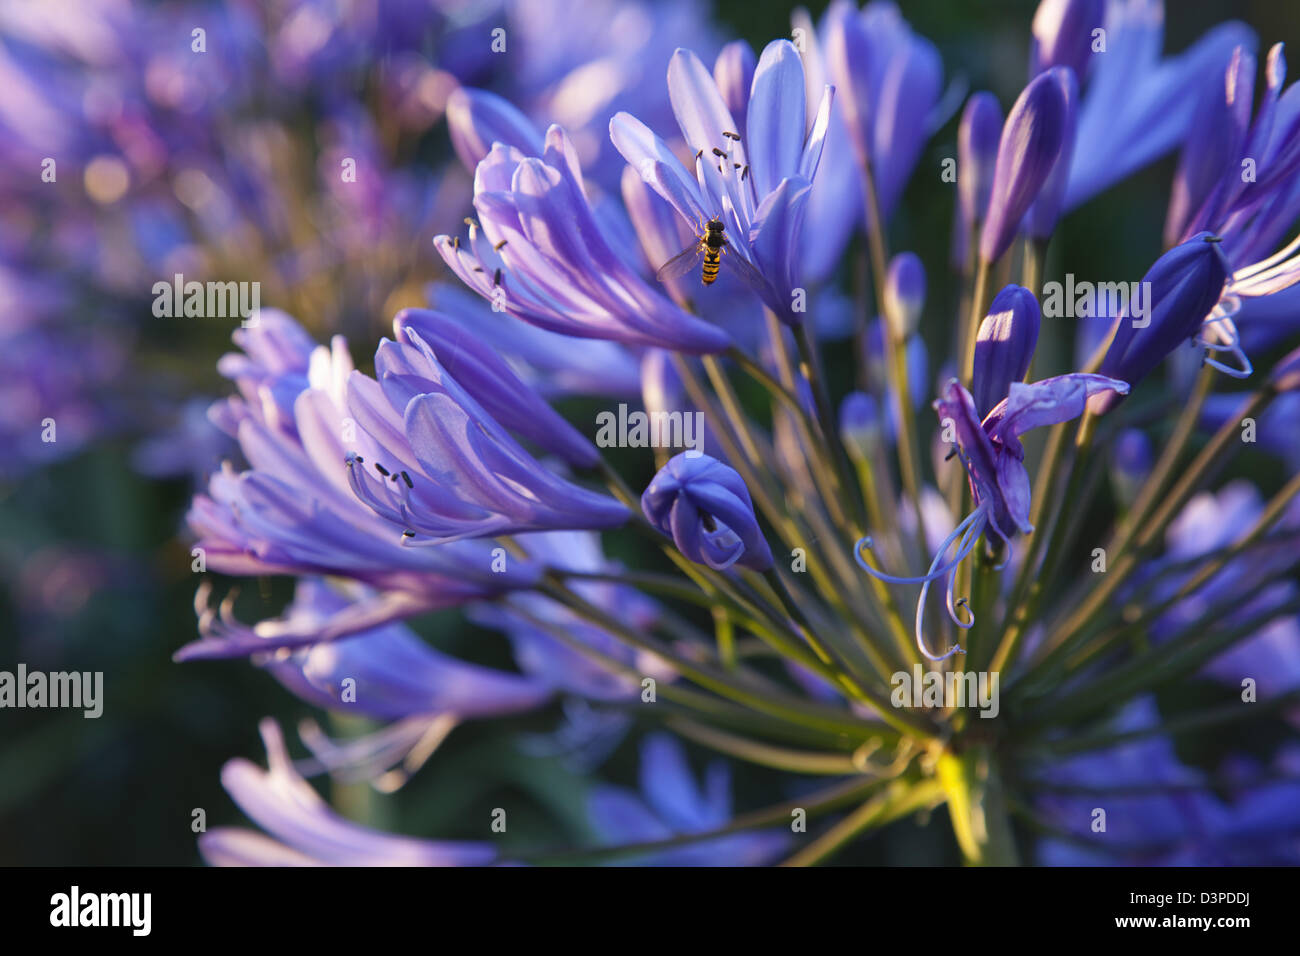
x,y
978,807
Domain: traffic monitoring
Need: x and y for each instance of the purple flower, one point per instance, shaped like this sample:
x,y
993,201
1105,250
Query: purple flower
x,y
905,292
733,71
440,465
1135,98
991,452
478,119
1063,35
1046,208
978,136
889,80
1131,460
550,364
304,831
704,507
1184,283
672,804
1005,345
1241,179
1170,816
539,253
1035,133
293,512
393,673
489,380
758,183
1210,522
860,424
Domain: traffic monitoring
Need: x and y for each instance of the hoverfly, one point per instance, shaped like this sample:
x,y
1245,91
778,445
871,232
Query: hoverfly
x,y
709,245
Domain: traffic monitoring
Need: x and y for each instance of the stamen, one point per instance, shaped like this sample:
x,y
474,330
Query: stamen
x,y
966,535
935,571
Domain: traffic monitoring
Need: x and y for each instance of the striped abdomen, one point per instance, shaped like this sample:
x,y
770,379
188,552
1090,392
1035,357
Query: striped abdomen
x,y
712,259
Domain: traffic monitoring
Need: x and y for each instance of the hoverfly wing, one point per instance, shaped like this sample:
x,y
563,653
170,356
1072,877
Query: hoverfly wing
x,y
738,264
682,263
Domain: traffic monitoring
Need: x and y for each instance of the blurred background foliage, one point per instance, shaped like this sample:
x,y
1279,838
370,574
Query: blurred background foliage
x,y
96,567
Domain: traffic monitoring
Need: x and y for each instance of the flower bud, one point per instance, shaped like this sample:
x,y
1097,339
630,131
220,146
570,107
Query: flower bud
x,y
705,508
1063,34
1046,209
905,293
1130,464
860,425
977,156
1030,146
1184,284
1005,346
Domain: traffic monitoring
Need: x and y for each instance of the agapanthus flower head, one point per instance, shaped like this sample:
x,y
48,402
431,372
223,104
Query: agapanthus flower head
x,y
444,481
1033,137
755,185
538,252
704,506
1185,283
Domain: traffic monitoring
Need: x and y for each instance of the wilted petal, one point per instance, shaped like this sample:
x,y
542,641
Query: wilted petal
x,y
1047,402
